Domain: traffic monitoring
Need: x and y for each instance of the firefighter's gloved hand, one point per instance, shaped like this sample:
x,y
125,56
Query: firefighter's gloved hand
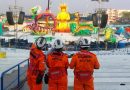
x,y
39,77
46,78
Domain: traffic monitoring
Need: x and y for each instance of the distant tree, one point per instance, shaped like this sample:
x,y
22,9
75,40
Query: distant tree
x,y
124,19
125,15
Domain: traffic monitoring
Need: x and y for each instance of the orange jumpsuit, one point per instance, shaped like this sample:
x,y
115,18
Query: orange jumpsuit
x,y
57,63
36,66
84,63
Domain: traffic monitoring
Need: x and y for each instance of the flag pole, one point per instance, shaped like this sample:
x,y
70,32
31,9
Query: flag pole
x,y
99,19
48,4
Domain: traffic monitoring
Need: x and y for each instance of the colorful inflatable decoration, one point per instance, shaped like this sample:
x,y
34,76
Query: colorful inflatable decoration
x,y
121,30
1,28
109,35
27,28
77,17
108,32
113,39
73,27
44,23
48,38
62,18
124,32
127,29
2,22
95,30
81,29
35,10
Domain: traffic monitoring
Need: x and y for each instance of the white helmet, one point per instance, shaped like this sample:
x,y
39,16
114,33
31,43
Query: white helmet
x,y
40,42
84,43
58,44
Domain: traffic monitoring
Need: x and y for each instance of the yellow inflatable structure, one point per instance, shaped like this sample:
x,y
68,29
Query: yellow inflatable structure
x,y
2,54
63,17
108,33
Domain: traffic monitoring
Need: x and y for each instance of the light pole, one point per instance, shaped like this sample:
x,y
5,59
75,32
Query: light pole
x,y
99,13
15,9
99,19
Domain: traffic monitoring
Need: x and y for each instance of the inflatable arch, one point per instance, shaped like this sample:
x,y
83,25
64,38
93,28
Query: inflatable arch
x,y
47,15
42,28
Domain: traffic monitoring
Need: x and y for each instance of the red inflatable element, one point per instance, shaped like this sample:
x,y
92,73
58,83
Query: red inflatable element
x,y
127,29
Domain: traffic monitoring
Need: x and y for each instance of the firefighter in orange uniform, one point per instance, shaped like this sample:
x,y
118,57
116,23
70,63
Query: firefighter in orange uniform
x,y
36,67
84,63
57,63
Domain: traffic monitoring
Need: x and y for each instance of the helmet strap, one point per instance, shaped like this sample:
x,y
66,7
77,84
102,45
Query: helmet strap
x,y
59,50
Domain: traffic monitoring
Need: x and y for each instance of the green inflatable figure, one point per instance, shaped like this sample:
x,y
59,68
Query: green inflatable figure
x,y
35,10
73,27
1,30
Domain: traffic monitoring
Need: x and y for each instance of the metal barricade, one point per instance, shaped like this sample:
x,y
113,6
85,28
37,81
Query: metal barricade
x,y
18,75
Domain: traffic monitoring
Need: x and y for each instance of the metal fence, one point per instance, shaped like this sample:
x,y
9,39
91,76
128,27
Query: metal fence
x,y
18,73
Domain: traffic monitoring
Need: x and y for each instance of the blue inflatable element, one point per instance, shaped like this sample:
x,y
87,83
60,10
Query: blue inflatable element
x,y
120,30
121,44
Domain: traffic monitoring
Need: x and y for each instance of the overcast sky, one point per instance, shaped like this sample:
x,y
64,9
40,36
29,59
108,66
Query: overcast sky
x,y
82,6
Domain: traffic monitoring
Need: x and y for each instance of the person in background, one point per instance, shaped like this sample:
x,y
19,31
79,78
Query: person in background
x,y
36,67
84,62
57,63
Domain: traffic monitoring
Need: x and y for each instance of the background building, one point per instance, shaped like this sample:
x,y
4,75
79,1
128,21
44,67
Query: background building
x,y
114,14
